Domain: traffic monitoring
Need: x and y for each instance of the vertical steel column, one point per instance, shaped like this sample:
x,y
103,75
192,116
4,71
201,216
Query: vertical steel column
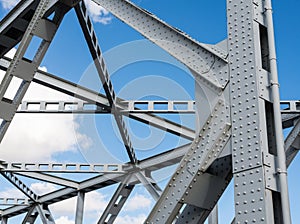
x,y
79,207
256,137
30,216
281,158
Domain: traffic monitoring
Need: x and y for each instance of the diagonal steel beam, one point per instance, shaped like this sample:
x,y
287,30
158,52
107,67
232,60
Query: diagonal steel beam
x,y
50,179
20,185
201,58
292,144
31,215
149,185
45,214
117,202
191,177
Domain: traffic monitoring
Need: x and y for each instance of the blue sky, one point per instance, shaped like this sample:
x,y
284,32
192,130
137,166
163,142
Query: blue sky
x,y
204,20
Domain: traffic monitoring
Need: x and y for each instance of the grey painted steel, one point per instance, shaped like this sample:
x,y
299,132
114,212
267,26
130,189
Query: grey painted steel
x,y
14,201
191,214
292,143
151,164
74,107
213,217
149,184
204,60
281,160
127,106
4,220
14,25
79,208
91,39
255,137
184,186
258,159
50,179
45,214
117,202
31,216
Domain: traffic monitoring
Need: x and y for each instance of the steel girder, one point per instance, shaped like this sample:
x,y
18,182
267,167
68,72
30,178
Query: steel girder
x,y
223,145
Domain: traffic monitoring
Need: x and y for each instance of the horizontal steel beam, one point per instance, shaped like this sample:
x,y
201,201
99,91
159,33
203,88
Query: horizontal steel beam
x,y
290,106
61,167
14,201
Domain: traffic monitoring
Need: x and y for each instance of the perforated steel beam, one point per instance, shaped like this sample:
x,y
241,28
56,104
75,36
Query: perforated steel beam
x,y
14,201
126,106
61,167
117,202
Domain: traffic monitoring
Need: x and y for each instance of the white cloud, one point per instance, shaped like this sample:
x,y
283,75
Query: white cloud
x,y
64,220
98,13
131,219
12,193
42,188
11,53
137,202
39,137
8,4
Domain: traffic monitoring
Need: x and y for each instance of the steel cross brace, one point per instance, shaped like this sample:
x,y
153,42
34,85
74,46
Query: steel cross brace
x,y
41,210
